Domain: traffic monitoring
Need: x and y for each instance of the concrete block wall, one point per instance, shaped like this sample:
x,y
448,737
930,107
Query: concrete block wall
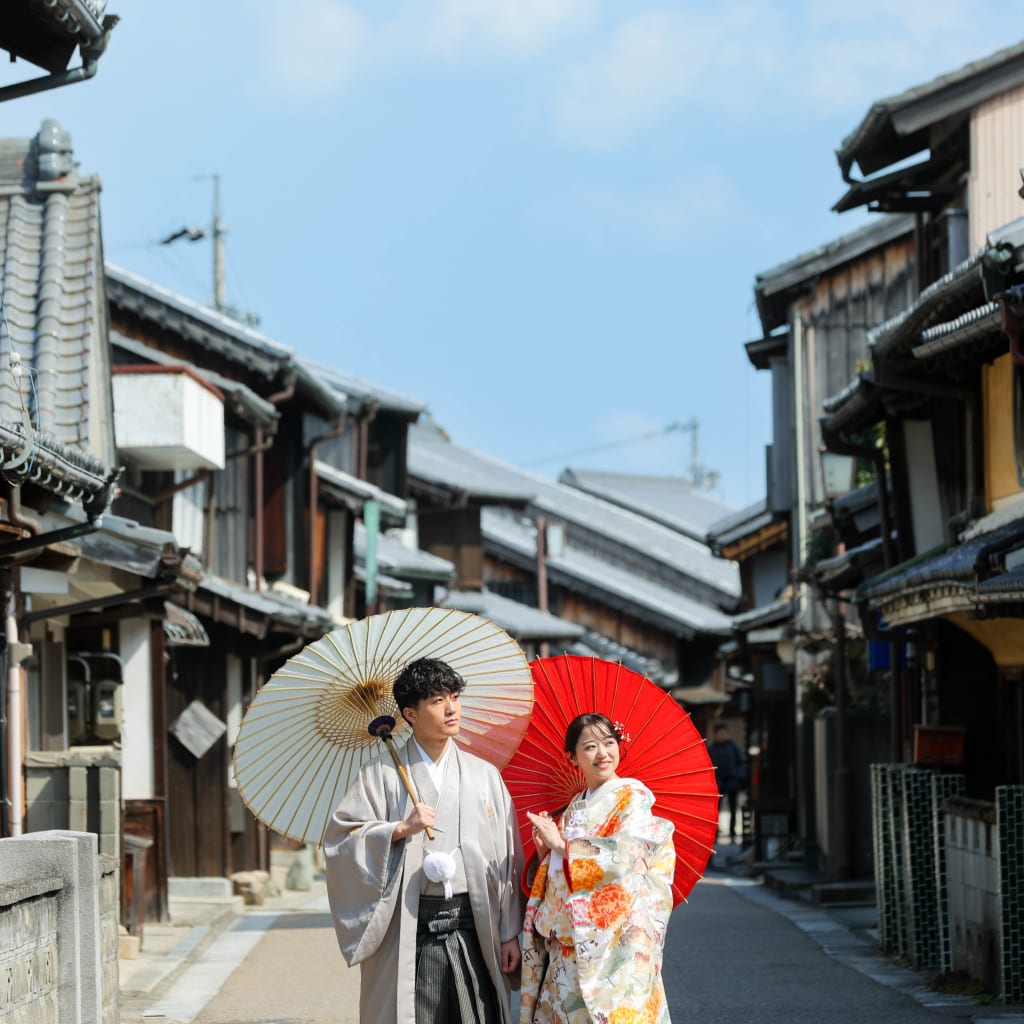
x,y
110,916
28,949
970,840
77,789
1010,883
58,926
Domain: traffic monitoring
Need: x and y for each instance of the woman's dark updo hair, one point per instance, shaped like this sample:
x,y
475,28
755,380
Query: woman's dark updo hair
x,y
604,726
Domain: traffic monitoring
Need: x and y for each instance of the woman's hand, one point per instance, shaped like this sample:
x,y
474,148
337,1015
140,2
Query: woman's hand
x,y
420,818
545,834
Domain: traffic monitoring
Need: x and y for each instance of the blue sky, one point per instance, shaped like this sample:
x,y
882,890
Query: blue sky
x,y
542,217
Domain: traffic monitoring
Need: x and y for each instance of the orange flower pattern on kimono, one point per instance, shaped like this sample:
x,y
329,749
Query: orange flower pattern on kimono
x,y
614,896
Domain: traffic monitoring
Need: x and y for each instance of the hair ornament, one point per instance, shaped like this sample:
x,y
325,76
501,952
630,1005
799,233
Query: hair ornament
x,y
620,732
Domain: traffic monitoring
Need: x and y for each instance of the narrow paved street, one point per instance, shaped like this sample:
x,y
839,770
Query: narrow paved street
x,y
737,952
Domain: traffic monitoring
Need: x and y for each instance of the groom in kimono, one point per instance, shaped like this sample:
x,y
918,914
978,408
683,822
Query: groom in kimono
x,y
433,923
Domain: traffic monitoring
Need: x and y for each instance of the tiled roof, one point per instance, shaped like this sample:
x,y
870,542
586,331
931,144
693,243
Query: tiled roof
x,y
366,392
632,542
391,506
670,500
774,288
243,401
908,115
434,460
649,600
55,398
281,609
403,562
518,620
220,334
738,524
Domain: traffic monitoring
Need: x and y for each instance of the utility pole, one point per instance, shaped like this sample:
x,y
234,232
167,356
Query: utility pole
x,y
217,229
216,232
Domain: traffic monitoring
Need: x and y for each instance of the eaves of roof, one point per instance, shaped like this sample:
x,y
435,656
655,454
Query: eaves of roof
x,y
46,33
849,570
942,581
962,288
775,289
738,524
243,401
366,392
216,332
761,351
403,562
672,501
765,615
463,473
519,620
141,550
62,470
354,492
80,19
897,127
589,520
580,572
275,609
929,185
597,645
387,585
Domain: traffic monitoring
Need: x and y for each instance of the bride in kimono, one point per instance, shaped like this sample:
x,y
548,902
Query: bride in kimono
x,y
594,930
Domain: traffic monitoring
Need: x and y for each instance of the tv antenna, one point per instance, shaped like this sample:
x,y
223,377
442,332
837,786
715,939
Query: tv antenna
x,y
216,231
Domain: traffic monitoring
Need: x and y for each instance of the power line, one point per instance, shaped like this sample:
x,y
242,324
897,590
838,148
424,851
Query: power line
x,y
650,436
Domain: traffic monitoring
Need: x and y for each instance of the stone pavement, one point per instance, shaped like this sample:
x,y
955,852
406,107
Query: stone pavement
x,y
738,951
283,950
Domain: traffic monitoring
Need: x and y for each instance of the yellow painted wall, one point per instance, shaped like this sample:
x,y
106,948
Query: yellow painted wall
x,y
1000,461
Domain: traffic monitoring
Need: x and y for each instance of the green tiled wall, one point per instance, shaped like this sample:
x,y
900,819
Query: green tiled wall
x,y
1010,855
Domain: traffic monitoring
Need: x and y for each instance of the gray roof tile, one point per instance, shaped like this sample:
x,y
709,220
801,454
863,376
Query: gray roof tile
x,y
647,599
365,391
630,540
670,500
54,324
404,562
519,620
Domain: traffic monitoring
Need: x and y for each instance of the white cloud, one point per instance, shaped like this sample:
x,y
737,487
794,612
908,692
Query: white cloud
x,y
657,60
453,28
754,58
693,207
312,47
316,48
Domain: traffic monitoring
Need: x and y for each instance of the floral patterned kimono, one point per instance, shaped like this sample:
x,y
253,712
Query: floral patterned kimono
x,y
595,923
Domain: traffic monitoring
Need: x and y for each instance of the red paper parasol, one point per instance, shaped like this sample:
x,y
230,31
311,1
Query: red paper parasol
x,y
664,751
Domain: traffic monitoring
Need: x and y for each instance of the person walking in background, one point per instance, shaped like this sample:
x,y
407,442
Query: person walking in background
x,y
730,771
594,932
433,924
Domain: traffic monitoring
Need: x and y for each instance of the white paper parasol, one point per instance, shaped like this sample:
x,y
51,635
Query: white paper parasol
x,y
308,732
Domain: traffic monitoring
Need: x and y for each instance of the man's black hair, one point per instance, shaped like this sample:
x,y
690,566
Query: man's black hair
x,y
425,677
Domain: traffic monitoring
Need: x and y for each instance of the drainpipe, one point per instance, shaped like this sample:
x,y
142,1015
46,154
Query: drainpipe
x,y
257,558
15,712
258,483
841,782
542,575
314,499
368,416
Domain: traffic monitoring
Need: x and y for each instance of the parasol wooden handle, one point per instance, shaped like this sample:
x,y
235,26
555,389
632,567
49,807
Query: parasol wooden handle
x,y
385,735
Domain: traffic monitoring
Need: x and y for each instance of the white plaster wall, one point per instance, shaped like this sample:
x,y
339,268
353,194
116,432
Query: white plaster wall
x,y
137,711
